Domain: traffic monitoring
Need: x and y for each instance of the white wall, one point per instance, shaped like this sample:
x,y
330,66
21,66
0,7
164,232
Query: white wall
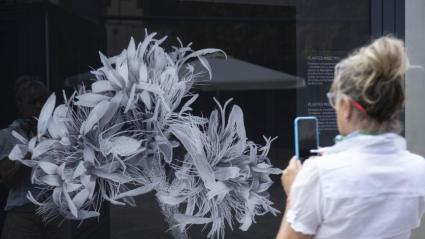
x,y
415,84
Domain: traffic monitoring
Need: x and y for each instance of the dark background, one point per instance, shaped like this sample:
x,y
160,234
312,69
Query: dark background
x,y
59,41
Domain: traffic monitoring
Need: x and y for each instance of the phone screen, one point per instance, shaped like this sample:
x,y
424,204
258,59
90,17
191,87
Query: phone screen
x,y
307,137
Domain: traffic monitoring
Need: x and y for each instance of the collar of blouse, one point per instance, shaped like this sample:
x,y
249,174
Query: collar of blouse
x,y
378,143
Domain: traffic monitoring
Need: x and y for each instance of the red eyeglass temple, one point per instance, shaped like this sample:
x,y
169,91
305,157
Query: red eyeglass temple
x,y
359,107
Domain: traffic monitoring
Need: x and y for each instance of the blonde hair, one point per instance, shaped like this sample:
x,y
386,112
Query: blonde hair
x,y
374,77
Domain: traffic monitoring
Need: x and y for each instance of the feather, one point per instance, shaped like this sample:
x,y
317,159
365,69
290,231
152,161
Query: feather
x,y
61,113
199,53
57,129
45,115
217,189
84,214
226,173
72,187
112,201
150,87
266,168
80,198
113,108
51,180
61,171
186,219
18,152
71,205
120,145
207,65
32,199
57,195
88,155
101,86
145,44
130,102
135,192
113,77
172,200
246,222
143,73
190,138
236,122
165,148
263,187
65,141
19,137
131,49
80,170
43,147
186,106
31,144
115,177
146,99
95,115
89,183
123,71
90,99
48,167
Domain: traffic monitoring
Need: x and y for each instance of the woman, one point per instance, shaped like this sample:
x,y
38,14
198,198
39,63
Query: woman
x,y
366,186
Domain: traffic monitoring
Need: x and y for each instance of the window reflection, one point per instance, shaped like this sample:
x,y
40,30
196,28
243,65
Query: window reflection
x,y
280,64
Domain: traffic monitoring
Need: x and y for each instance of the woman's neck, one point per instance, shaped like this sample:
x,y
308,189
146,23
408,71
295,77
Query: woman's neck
x,y
367,127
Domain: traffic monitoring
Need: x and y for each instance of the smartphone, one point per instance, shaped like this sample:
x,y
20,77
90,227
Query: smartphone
x,y
306,136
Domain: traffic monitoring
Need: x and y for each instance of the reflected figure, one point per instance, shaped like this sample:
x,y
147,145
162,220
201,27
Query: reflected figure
x,y
22,220
3,199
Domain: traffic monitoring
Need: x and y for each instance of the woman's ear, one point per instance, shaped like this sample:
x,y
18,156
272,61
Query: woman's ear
x,y
346,108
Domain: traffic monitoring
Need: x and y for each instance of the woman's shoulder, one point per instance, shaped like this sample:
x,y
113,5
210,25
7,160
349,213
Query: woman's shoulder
x,y
349,173
329,160
415,161
415,156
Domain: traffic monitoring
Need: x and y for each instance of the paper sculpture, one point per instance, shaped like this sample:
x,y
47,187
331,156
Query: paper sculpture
x,y
133,132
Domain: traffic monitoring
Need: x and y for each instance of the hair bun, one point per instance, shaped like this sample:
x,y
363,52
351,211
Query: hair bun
x,y
373,76
387,58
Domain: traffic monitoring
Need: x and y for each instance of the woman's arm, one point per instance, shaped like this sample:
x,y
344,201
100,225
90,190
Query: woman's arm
x,y
288,177
286,231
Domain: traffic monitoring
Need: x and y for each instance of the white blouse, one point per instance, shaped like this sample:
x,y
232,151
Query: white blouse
x,y
365,187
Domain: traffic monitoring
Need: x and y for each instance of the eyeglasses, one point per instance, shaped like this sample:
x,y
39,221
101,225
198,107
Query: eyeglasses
x,y
331,98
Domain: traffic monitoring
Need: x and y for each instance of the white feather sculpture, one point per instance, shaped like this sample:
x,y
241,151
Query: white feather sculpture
x,y
117,140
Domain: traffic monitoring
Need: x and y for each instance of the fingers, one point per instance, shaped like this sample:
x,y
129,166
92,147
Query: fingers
x,y
289,174
298,163
294,163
